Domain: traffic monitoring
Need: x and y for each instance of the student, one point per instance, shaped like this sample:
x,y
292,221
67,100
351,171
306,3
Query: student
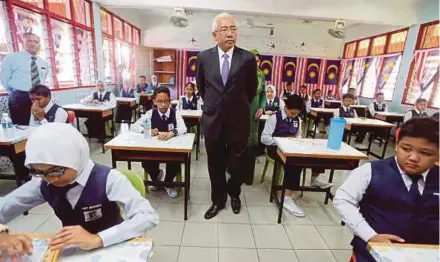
x,y
377,106
189,101
273,103
86,197
43,110
352,91
330,95
395,200
127,91
152,85
303,93
347,112
286,123
95,126
317,102
288,91
418,111
166,123
141,87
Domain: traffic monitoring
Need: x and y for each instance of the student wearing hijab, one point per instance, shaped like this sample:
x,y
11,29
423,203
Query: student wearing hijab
x,y
273,103
86,197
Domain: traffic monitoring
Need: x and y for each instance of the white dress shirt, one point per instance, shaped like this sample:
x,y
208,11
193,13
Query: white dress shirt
x,y
408,114
269,129
60,116
309,104
351,193
140,217
336,113
281,102
188,100
372,110
230,52
89,99
139,125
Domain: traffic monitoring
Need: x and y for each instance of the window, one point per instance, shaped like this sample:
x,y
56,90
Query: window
x,y
118,28
127,33
64,54
136,36
363,47
37,3
350,50
60,7
430,34
106,23
388,77
123,55
378,47
108,53
397,42
371,69
86,55
82,12
5,43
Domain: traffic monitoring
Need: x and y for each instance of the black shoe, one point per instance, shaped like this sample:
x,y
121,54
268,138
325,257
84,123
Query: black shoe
x,y
236,204
213,211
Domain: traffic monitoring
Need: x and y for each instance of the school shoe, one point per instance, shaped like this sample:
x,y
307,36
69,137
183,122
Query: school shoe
x,y
292,208
317,182
359,146
172,192
159,178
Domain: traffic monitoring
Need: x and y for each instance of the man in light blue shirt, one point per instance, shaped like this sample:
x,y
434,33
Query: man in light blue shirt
x,y
20,71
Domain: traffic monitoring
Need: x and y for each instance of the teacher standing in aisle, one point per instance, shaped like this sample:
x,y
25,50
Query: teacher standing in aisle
x,y
20,71
227,82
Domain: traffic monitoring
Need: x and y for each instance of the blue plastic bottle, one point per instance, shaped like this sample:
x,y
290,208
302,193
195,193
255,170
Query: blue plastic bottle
x,y
336,132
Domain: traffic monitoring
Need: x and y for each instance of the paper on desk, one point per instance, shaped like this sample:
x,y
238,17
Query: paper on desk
x,y
38,252
123,252
404,254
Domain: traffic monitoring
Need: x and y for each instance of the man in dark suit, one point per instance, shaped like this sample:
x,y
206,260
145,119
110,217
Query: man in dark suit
x,y
227,82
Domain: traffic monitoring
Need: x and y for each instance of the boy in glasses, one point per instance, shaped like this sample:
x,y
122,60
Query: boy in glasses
x,y
166,123
286,123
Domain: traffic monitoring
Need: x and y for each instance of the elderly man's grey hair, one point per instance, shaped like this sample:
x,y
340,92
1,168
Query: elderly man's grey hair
x,y
219,17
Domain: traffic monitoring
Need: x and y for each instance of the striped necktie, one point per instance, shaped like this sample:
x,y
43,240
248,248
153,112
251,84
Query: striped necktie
x,y
225,68
35,77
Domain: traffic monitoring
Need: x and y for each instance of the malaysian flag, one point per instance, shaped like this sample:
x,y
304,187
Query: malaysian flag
x,y
277,74
332,68
180,71
266,67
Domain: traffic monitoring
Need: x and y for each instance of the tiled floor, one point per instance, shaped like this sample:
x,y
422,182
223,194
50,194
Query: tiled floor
x,y
251,236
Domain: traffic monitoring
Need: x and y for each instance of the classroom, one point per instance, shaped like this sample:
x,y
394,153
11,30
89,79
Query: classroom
x,y
219,131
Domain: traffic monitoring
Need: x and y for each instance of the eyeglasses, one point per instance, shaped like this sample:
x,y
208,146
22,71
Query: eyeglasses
x,y
41,174
225,30
159,102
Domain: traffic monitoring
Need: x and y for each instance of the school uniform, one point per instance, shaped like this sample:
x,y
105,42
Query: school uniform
x,y
191,103
127,93
414,113
164,122
376,107
317,103
141,88
95,126
330,98
273,104
287,93
52,113
124,111
379,198
305,98
348,112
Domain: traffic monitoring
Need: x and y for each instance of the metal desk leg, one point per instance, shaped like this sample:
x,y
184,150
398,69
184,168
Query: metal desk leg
x,y
198,141
187,184
77,124
113,160
370,141
330,180
274,179
349,137
280,208
129,165
308,128
386,143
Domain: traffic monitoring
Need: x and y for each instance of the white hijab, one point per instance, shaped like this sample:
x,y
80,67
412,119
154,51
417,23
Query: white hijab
x,y
57,144
274,91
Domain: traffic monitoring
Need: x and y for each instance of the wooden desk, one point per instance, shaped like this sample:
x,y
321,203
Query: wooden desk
x,y
13,148
126,103
132,146
354,125
104,112
174,103
318,113
390,117
361,110
194,114
311,153
332,104
404,252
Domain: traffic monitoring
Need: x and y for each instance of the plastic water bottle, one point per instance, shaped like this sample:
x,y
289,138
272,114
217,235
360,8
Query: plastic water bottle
x,y
336,133
147,129
8,126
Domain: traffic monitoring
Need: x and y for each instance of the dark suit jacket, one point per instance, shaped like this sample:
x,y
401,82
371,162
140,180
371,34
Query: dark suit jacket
x,y
226,107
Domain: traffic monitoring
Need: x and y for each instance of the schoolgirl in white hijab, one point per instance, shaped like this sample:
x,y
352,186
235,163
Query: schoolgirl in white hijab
x,y
273,103
84,195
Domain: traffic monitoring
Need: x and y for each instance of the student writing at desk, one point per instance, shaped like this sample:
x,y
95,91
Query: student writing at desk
x,y
166,123
377,106
43,110
86,197
418,111
395,199
286,123
273,103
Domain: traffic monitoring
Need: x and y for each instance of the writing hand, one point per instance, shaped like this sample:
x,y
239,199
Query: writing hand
x,y
154,132
165,135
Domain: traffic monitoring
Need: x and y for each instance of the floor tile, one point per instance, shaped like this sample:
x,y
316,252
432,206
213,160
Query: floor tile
x,y
164,254
336,237
305,237
342,255
289,219
312,199
263,215
200,197
200,235
315,256
237,255
44,209
227,216
28,223
201,184
271,236
167,233
51,226
196,213
324,215
171,212
235,235
280,255
198,254
257,198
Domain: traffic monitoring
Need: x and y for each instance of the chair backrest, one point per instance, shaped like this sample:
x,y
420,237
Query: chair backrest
x,y
135,180
71,117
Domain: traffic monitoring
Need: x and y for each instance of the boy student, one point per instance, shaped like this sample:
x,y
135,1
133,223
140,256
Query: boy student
x,y
303,93
43,110
317,102
286,123
87,197
142,85
127,91
377,106
288,91
418,111
395,200
330,95
166,123
352,91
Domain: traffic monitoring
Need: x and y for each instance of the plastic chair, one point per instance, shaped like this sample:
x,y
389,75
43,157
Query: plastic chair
x,y
71,117
178,179
266,165
135,180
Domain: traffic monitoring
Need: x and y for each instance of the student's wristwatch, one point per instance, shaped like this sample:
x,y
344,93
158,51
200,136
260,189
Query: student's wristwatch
x,y
175,133
4,229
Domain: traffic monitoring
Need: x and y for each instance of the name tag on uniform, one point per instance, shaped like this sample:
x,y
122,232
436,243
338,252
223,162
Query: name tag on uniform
x,y
92,213
295,124
170,127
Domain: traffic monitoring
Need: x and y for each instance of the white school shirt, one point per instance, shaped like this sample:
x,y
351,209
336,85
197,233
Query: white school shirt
x,y
60,116
372,110
269,129
89,98
408,114
230,52
336,113
309,104
188,100
139,125
140,217
350,194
